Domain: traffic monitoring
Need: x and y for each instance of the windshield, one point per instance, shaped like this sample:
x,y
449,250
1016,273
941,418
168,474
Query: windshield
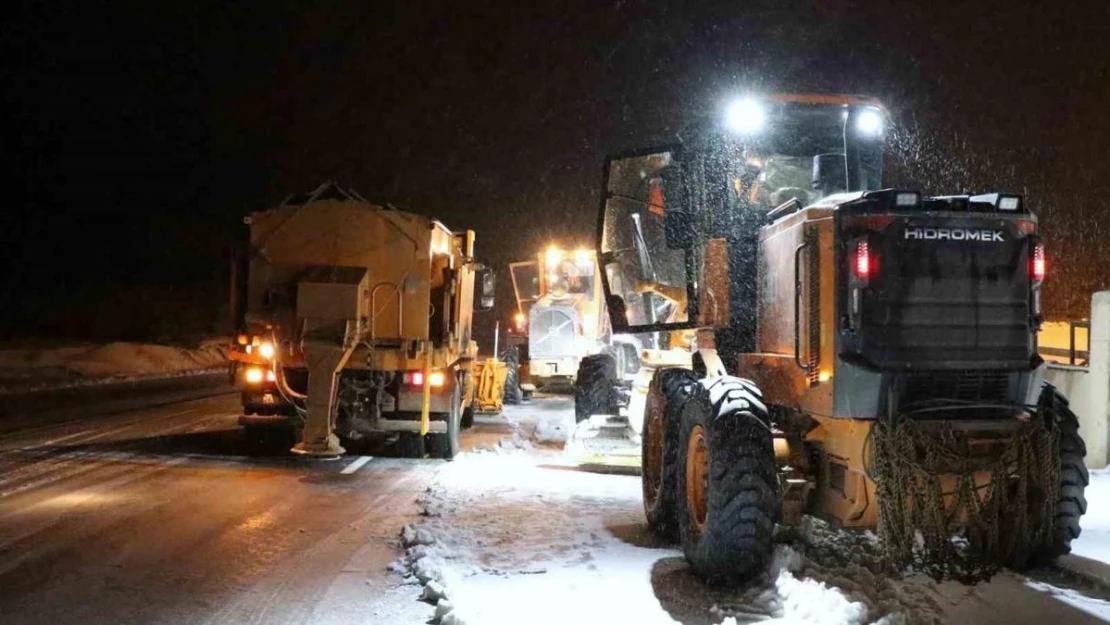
x,y
526,284
570,276
640,268
800,153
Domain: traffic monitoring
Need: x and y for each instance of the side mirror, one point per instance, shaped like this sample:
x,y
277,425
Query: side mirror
x,y
485,288
830,173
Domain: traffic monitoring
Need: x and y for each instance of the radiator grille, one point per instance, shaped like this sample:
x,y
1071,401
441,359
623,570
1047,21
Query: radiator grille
x,y
970,386
551,333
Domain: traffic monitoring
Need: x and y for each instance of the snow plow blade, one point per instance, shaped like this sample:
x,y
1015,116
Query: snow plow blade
x,y
605,444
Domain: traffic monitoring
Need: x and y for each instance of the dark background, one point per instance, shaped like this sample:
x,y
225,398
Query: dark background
x,y
139,133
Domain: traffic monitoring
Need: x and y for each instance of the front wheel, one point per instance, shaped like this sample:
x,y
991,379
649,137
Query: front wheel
x,y
595,387
512,395
667,395
730,498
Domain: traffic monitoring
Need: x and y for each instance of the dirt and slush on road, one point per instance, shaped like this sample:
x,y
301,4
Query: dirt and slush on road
x,y
116,510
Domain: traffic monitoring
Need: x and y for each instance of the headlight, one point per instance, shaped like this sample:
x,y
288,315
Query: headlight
x,y
745,116
436,378
266,350
870,122
254,375
553,256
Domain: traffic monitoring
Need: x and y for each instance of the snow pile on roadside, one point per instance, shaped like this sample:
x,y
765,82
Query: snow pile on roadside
x,y
831,577
555,432
38,368
1094,540
506,532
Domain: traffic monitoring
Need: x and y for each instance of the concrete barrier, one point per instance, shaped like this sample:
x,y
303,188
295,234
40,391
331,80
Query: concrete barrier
x,y
1088,388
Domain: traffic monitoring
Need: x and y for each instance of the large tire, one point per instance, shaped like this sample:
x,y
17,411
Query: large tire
x,y
595,387
512,395
1072,501
670,388
726,469
410,445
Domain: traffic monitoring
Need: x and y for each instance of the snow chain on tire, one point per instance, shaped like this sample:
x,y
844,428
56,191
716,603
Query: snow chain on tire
x,y
1038,470
742,497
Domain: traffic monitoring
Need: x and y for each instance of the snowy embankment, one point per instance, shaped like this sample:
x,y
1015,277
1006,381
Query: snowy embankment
x,y
1094,540
31,369
516,536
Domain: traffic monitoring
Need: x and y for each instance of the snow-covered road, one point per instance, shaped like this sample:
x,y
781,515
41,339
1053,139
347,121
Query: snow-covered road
x,y
516,534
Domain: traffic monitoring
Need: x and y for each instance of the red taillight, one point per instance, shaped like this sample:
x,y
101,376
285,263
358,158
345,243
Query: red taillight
x,y
1039,266
863,264
415,378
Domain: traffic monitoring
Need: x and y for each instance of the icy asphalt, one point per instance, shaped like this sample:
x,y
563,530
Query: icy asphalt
x,y
119,513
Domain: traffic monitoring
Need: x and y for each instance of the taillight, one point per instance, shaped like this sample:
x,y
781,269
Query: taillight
x,y
1039,266
416,378
864,264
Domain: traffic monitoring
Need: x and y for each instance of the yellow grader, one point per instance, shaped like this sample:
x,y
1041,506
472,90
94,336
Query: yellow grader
x,y
561,315
861,354
357,323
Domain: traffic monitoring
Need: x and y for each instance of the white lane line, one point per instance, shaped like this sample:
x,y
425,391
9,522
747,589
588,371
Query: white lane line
x,y
356,465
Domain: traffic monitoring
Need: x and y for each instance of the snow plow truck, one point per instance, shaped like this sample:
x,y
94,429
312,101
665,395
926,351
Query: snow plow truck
x,y
356,323
866,355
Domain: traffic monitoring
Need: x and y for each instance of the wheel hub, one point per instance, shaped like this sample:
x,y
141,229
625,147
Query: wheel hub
x,y
697,477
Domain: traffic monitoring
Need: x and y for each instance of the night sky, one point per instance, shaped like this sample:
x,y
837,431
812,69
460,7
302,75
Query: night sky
x,y
139,133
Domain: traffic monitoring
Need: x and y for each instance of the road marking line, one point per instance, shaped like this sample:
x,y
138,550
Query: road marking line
x,y
356,465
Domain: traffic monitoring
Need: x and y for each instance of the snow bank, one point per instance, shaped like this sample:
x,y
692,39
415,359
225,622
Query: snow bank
x,y
552,432
1094,540
40,368
506,532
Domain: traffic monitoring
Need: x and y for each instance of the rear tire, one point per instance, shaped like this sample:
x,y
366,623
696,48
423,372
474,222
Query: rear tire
x,y
730,497
669,391
410,445
1072,501
467,420
446,446
595,387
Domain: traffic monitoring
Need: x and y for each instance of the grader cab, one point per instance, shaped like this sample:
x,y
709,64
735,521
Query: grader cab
x,y
862,354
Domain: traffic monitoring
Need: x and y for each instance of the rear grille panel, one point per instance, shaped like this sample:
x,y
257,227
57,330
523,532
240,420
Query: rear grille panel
x,y
976,387
954,305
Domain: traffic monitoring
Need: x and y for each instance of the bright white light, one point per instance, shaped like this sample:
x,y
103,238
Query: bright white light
x,y
554,255
870,122
583,257
1009,203
745,116
266,350
905,199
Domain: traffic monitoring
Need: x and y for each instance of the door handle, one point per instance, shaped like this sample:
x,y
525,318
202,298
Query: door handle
x,y
798,309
